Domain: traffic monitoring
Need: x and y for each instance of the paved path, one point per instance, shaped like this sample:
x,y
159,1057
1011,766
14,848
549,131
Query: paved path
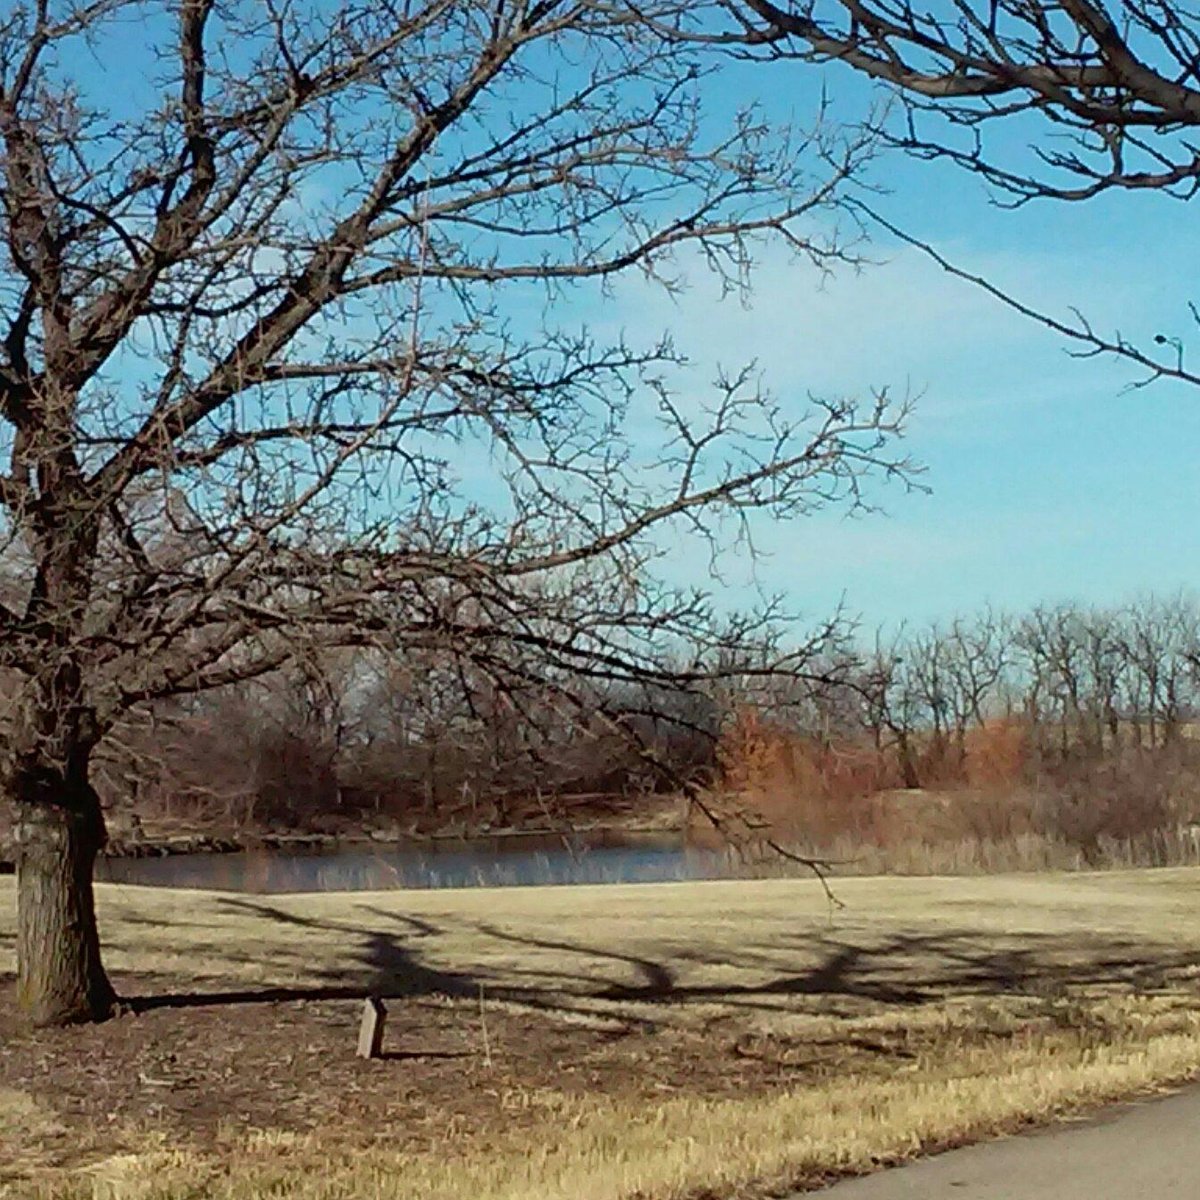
x,y
1146,1151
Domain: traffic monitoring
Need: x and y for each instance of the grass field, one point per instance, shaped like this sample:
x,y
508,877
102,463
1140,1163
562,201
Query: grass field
x,y
662,1041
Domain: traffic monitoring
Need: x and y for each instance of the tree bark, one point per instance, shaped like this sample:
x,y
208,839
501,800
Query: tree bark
x,y
60,976
908,768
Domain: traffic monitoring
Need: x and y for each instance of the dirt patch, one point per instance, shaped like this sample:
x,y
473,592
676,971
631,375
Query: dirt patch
x,y
201,1072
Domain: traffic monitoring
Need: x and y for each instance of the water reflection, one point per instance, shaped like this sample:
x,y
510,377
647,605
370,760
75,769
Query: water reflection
x,y
483,862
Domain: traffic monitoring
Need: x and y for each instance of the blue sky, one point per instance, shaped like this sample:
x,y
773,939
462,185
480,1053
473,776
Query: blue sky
x,y
1049,479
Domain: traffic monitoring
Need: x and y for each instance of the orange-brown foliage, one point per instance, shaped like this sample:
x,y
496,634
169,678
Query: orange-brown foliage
x,y
799,782
997,754
827,788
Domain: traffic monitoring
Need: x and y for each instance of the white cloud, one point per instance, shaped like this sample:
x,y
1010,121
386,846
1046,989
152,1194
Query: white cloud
x,y
905,324
999,423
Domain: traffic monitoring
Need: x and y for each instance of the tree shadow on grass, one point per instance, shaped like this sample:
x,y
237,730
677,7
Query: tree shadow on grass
x,y
384,966
900,970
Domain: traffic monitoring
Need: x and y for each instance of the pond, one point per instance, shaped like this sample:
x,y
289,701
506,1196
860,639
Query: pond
x,y
478,862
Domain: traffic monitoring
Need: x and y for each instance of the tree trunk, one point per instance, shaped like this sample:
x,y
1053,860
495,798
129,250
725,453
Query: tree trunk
x,y
908,768
60,978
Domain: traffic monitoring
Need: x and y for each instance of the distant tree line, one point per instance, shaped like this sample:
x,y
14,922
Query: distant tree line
x,y
1080,679
415,738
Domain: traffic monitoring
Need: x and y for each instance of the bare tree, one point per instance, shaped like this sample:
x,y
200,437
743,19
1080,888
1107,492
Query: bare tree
x,y
1052,643
286,364
891,703
1104,666
1041,100
1115,91
977,657
1156,639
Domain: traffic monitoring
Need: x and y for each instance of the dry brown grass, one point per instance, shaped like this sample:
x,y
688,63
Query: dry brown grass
x,y
975,854
990,1001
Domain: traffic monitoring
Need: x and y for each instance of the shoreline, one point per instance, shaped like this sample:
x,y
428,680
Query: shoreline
x,y
329,843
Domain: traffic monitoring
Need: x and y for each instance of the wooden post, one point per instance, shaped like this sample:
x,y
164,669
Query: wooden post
x,y
370,1029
